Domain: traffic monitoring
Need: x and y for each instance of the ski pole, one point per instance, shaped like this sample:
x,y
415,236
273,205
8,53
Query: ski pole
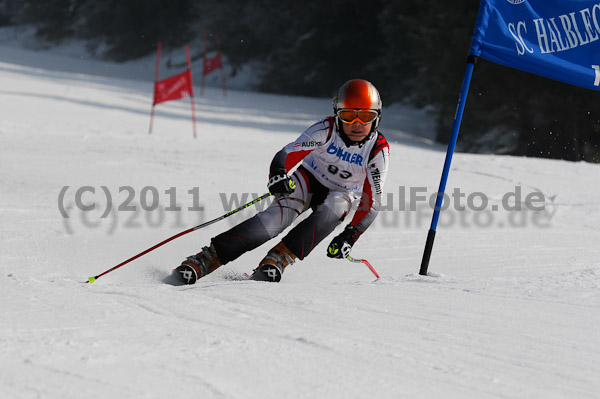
x,y
366,262
262,197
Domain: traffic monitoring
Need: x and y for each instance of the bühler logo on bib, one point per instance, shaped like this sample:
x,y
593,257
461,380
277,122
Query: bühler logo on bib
x,y
344,155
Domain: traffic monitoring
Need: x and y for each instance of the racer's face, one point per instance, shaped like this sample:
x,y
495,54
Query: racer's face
x,y
356,131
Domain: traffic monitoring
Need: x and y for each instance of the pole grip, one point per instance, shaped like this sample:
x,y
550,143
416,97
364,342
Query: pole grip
x,y
427,253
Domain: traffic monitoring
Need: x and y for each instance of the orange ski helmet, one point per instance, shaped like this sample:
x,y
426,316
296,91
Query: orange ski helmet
x,y
358,94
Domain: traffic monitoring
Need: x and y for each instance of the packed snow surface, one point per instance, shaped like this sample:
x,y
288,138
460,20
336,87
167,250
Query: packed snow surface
x,y
510,309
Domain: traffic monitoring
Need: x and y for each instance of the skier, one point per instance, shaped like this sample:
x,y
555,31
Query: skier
x,y
344,157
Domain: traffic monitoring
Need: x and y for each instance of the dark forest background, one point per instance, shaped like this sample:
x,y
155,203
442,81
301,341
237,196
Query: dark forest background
x,y
414,51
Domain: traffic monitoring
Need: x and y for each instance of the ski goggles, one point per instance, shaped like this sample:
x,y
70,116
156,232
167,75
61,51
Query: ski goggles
x,y
364,116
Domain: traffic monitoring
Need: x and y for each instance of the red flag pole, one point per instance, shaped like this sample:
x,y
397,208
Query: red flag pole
x,y
222,70
189,67
155,80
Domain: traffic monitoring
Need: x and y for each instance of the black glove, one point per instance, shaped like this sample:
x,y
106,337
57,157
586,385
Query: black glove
x,y
341,245
281,184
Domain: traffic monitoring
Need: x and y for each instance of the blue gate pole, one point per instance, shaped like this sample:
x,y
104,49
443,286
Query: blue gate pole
x,y
451,146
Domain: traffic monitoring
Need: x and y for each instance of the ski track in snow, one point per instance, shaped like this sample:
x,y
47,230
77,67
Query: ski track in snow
x,y
506,312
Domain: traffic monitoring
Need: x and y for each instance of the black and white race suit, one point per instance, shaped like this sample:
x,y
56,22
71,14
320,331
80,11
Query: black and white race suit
x,y
331,177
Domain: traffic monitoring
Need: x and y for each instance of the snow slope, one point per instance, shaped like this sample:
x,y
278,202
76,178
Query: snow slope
x,y
511,308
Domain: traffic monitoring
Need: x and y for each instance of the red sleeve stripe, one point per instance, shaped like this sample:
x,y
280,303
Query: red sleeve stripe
x,y
380,144
293,158
381,147
366,199
376,150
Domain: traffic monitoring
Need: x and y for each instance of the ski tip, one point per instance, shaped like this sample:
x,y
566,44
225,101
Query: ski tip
x,y
91,279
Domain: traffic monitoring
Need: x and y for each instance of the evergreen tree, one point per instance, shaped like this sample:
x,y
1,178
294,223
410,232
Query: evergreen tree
x,y
412,50
518,112
131,29
54,19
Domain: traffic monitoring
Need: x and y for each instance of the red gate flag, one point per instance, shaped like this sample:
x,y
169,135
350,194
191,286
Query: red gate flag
x,y
174,88
210,64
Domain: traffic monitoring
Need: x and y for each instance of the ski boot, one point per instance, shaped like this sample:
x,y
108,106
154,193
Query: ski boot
x,y
272,266
198,266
